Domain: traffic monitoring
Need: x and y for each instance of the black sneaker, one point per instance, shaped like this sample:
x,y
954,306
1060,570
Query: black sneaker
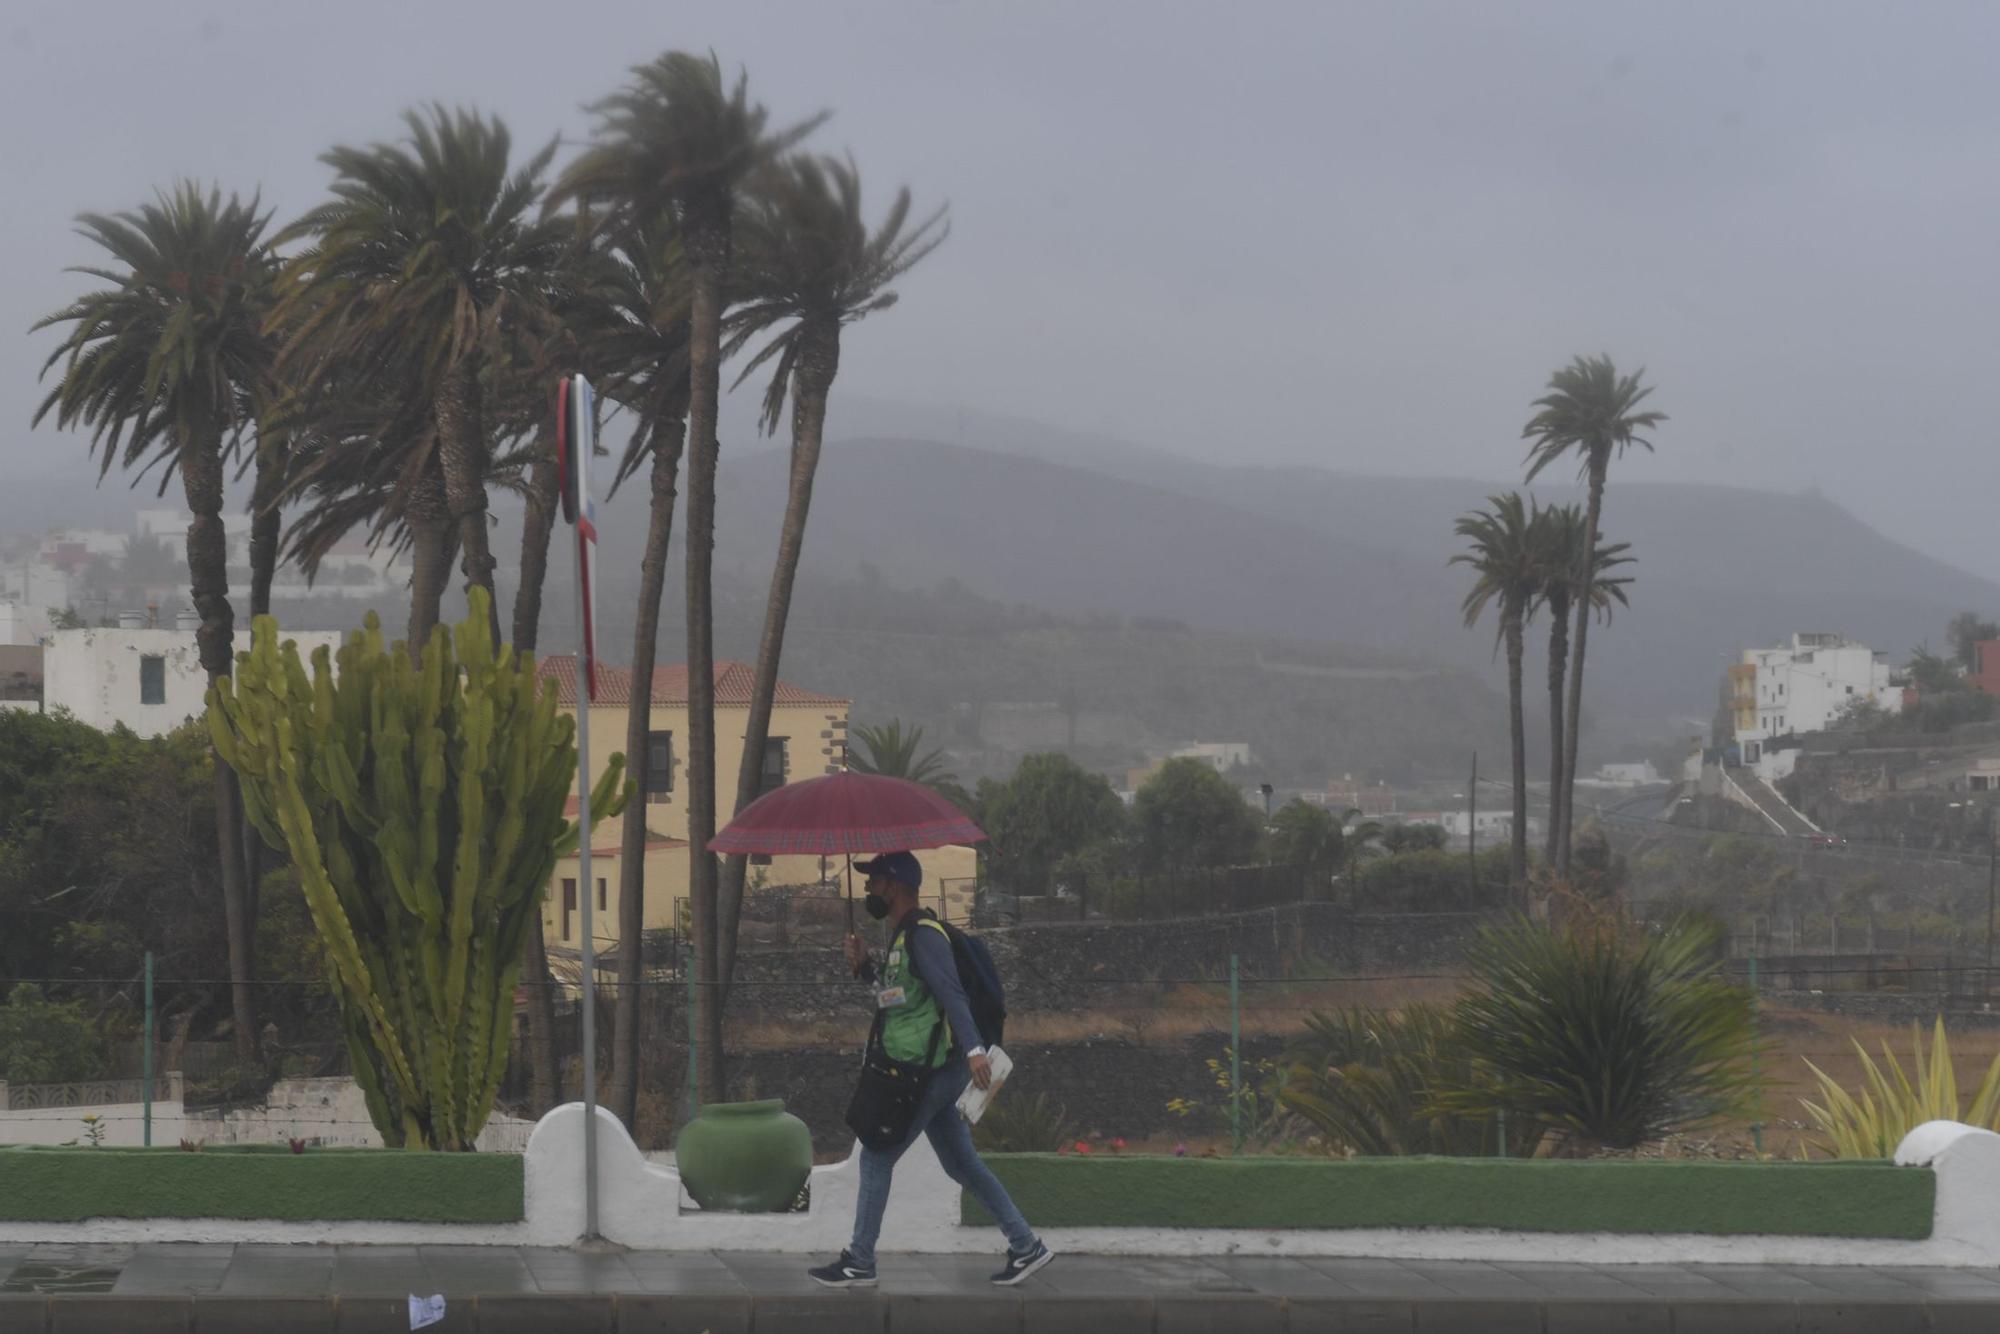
x,y
1020,1266
843,1273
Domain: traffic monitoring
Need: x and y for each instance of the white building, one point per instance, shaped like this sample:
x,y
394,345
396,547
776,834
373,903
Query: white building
x,y
1642,774
149,680
1223,755
1779,692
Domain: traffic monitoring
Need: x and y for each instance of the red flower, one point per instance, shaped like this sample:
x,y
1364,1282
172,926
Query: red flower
x,y
1117,1145
1083,1147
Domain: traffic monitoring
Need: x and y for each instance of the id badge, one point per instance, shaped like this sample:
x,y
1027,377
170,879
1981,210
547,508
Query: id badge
x,y
888,998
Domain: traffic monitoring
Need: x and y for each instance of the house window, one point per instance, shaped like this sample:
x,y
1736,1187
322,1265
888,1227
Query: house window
x,y
600,893
1850,690
659,766
152,679
773,775
569,905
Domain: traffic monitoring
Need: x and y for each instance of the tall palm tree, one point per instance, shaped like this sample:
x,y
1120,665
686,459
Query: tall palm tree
x,y
638,338
1506,561
1561,545
428,256
677,143
159,364
806,265
891,751
1592,411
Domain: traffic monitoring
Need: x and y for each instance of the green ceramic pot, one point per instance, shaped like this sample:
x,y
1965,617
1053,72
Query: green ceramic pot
x,y
745,1157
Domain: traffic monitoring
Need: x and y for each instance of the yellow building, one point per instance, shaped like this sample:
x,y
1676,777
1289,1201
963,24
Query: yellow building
x,y
808,738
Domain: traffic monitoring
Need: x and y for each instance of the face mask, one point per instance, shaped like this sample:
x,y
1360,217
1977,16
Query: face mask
x,y
877,907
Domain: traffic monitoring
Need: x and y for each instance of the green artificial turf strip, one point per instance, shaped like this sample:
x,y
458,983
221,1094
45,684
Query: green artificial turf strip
x,y
1837,1199
70,1185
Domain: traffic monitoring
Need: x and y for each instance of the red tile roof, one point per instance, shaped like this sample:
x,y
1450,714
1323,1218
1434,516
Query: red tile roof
x,y
670,685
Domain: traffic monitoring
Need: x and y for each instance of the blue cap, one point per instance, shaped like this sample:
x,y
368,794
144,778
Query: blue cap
x,y
898,866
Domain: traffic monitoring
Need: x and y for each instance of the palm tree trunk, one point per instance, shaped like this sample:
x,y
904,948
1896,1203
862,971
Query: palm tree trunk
x,y
537,523
1558,671
1575,710
264,525
819,361
624,1099
708,248
1517,858
208,577
429,519
462,448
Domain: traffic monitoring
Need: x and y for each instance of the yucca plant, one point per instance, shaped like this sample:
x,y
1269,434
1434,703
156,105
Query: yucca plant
x,y
1371,1081
1892,1103
1609,1036
423,805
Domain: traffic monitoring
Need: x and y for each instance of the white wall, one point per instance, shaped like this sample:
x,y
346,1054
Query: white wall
x,y
1804,686
95,675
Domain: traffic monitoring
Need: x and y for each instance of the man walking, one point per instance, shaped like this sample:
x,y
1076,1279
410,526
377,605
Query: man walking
x,y
918,994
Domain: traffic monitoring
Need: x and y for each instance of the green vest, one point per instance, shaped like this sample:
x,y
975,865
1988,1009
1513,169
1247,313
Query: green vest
x,y
907,1027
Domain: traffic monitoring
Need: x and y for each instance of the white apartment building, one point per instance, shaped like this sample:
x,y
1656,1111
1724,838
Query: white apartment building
x,y
1222,755
1803,687
148,679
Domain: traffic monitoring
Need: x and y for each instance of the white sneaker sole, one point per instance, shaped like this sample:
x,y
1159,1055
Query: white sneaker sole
x,y
843,1283
1028,1273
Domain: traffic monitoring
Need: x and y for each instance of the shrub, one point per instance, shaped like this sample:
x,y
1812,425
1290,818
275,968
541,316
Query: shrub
x,y
1371,1082
1608,1036
1891,1103
47,1042
1023,1125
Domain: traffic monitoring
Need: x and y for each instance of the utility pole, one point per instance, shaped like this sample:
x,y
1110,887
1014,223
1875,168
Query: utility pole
x,y
1472,832
1992,880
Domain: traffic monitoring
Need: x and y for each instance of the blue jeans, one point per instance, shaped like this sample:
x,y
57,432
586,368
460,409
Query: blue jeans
x,y
937,1116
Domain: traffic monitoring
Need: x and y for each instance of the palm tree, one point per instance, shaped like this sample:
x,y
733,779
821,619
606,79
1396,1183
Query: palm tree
x,y
1592,411
429,254
159,364
1561,543
1506,562
638,337
894,753
676,144
806,261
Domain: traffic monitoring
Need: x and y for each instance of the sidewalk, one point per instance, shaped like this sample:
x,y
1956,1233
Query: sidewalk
x,y
219,1289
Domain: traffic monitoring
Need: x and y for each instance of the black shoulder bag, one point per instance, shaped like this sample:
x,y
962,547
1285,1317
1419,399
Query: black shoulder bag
x,y
886,1096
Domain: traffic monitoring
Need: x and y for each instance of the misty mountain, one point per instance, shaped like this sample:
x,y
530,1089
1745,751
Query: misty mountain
x,y
1337,557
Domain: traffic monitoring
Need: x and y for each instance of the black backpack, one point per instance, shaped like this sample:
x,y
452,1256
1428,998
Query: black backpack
x,y
980,977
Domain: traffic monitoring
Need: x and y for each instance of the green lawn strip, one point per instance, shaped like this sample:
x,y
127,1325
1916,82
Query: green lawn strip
x,y
70,1185
1836,1199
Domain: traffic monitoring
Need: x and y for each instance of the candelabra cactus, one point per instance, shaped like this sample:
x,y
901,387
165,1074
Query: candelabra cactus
x,y
423,805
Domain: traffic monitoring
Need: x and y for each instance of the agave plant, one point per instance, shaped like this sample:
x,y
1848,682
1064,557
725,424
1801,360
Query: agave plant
x,y
423,807
1608,1036
1371,1082
1892,1103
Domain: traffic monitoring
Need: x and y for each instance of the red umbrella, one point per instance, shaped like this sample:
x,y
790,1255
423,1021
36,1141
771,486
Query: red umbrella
x,y
846,813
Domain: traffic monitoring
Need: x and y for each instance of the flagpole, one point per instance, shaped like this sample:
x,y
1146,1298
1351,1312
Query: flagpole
x,y
580,424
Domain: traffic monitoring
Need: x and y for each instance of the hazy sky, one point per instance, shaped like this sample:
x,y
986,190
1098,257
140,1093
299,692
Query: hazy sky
x,y
1345,234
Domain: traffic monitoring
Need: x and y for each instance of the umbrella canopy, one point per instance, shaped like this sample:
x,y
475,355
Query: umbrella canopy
x,y
844,813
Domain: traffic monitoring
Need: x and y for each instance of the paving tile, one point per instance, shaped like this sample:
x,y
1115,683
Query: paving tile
x,y
1862,1317
1953,1283
650,1313
1962,1317
1605,1315
1764,1281
543,1313
960,1313
173,1270
825,1312
1478,1315
1280,1277
391,1315
1671,1281
470,1270
261,1315
1576,1281
1382,1279
1735,1317
1474,1279
24,1315
1217,1315
370,1271
579,1271
121,1315
1348,1315
279,1271
1857,1282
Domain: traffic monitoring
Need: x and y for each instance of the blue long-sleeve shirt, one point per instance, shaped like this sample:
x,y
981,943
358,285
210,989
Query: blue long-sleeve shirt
x,y
931,959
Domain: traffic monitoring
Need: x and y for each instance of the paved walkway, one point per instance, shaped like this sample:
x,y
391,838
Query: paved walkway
x,y
195,1289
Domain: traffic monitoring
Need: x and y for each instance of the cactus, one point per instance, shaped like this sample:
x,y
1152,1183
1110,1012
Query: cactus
x,y
423,804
